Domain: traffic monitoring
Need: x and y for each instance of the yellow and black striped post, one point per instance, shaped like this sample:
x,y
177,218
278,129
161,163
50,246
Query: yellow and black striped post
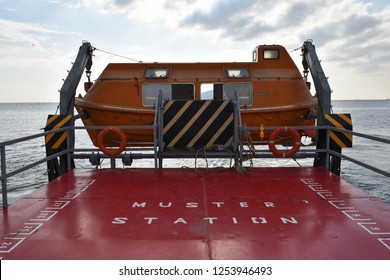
x,y
198,123
55,141
339,139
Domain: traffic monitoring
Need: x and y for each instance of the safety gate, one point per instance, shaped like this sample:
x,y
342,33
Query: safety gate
x,y
198,123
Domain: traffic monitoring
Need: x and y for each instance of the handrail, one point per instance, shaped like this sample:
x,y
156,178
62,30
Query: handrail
x,y
330,152
303,153
371,137
372,168
4,175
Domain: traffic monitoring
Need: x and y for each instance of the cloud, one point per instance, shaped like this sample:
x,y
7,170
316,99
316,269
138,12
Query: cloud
x,y
350,30
221,15
123,3
236,20
346,27
20,32
29,45
350,35
358,39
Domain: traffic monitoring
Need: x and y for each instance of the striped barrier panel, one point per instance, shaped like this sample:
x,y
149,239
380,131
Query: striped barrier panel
x,y
342,121
56,141
198,123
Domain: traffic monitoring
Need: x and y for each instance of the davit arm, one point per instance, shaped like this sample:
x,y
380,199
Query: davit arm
x,y
68,90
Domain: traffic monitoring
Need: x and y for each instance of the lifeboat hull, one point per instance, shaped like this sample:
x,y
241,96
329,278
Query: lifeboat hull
x,y
101,115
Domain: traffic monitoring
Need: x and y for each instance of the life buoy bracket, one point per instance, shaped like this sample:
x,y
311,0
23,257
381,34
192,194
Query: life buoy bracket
x,y
278,133
122,144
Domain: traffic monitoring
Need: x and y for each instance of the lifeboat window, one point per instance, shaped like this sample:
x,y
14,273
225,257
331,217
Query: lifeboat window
x,y
254,56
169,91
244,91
182,91
150,93
238,73
156,73
210,91
271,54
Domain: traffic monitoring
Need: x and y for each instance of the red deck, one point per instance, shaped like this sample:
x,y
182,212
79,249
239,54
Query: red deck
x,y
273,213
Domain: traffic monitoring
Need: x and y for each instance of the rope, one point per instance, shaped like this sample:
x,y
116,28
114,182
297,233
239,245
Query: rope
x,y
118,55
207,169
247,141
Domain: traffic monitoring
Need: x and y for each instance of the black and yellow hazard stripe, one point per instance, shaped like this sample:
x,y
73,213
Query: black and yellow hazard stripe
x,y
342,121
198,123
57,140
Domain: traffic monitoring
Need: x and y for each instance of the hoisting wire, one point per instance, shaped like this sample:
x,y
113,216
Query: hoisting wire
x,y
294,50
118,55
88,72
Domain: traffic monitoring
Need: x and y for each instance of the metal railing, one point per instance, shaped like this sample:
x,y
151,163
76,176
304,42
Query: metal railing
x,y
70,153
154,151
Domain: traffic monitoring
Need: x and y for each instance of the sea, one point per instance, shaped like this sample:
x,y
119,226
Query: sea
x,y
369,116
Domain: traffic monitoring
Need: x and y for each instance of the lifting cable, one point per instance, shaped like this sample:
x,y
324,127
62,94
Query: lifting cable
x,y
118,55
296,49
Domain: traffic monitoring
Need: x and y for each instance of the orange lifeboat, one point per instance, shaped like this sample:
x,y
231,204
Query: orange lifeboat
x,y
271,90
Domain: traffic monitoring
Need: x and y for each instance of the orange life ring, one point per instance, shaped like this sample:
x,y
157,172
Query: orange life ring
x,y
122,144
283,131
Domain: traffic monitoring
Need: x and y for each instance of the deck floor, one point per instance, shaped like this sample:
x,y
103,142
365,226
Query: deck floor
x,y
272,213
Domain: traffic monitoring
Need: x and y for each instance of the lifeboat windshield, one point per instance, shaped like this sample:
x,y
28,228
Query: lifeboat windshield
x,y
154,73
271,54
238,73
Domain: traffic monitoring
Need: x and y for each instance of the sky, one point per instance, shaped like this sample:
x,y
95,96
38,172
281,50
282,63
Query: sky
x,y
39,39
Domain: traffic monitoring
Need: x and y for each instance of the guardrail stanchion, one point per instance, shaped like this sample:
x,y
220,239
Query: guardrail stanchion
x,y
4,177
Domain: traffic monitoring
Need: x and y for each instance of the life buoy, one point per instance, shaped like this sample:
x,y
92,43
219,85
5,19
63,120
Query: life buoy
x,y
282,131
102,146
